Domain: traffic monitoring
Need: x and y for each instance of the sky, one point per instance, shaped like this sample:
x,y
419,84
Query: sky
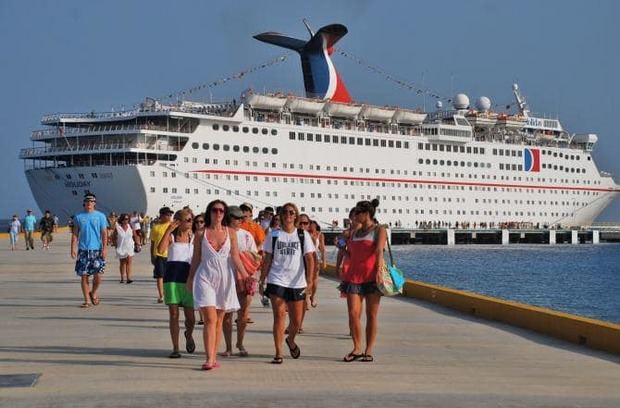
x,y
77,56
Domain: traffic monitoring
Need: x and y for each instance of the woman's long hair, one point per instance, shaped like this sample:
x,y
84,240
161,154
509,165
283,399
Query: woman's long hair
x,y
282,213
225,221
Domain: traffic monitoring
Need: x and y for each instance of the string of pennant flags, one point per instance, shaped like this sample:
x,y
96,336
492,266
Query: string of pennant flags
x,y
389,77
237,76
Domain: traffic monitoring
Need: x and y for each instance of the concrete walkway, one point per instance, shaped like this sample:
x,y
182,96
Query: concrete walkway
x,y
115,354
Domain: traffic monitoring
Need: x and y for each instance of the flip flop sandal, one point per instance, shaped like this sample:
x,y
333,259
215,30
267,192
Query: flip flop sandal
x,y
243,352
175,354
277,360
85,305
367,358
352,357
210,366
295,352
93,299
190,345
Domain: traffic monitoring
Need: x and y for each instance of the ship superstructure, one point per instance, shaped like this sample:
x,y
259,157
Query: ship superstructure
x,y
459,165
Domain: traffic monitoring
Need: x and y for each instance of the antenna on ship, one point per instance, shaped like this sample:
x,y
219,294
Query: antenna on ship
x,y
523,108
308,27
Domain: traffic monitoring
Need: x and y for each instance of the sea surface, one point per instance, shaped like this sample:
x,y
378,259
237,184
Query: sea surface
x,y
579,279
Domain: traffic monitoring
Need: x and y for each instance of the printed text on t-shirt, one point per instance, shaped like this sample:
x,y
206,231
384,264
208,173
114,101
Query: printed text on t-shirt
x,y
287,248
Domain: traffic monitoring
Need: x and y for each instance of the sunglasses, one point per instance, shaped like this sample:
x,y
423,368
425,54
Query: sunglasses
x,y
217,210
90,201
304,223
199,221
188,220
289,212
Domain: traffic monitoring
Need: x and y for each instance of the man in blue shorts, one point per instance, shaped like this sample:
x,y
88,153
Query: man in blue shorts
x,y
88,247
30,221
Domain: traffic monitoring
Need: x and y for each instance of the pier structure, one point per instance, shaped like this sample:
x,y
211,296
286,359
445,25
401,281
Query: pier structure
x,y
427,354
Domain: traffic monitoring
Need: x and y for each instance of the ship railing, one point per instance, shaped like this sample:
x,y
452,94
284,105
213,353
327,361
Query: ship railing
x,y
72,131
218,109
85,148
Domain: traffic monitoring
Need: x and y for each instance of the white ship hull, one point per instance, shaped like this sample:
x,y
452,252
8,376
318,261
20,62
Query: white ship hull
x,y
326,179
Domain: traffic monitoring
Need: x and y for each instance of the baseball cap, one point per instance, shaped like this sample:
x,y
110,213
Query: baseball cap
x,y
235,212
29,210
90,196
246,207
268,210
165,210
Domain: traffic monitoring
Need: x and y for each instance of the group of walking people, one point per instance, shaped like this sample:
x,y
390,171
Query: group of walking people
x,y
47,225
217,261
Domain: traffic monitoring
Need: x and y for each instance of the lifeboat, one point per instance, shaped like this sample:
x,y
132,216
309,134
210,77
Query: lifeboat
x,y
343,110
266,102
377,114
305,106
408,117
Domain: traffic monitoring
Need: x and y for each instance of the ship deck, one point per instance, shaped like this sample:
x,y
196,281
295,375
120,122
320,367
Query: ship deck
x,y
115,354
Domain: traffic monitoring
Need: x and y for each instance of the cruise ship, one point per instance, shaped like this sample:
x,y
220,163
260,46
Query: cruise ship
x,y
459,165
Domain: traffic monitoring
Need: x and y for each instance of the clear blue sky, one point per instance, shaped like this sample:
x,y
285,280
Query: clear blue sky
x,y
76,56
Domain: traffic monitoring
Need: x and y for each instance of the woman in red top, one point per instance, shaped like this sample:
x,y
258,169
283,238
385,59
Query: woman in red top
x,y
359,282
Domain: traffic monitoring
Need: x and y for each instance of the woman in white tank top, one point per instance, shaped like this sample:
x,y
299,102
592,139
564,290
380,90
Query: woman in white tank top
x,y
122,238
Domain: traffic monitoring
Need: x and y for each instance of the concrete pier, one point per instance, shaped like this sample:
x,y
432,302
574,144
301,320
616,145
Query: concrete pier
x,y
115,354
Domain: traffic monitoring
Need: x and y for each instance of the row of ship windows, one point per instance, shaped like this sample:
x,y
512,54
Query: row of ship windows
x,y
301,180
245,129
235,148
345,169
450,148
360,141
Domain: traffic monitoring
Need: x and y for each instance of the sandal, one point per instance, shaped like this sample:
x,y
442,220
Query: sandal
x,y
225,354
210,366
93,299
277,360
190,345
85,305
243,352
352,357
174,354
367,358
295,352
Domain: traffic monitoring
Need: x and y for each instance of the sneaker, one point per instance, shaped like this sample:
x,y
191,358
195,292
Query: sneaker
x,y
265,301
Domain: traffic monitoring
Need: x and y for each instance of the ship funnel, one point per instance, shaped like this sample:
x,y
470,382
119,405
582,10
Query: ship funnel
x,y
321,79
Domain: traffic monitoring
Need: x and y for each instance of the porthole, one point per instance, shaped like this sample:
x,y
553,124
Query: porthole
x,y
255,131
274,151
225,128
274,132
195,145
216,126
235,148
226,148
246,149
245,129
255,149
216,147
235,128
264,131
265,150
205,146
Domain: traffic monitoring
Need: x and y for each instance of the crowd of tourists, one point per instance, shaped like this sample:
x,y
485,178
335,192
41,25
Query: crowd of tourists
x,y
47,225
216,262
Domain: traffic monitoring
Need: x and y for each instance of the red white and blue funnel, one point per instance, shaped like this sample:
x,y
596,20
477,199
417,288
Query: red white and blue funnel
x,y
320,77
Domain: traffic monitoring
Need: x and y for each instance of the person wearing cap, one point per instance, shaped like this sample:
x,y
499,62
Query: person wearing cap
x,y
89,240
250,226
267,217
159,258
28,225
46,225
14,227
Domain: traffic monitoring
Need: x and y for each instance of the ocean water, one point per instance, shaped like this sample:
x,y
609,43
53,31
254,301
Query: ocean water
x,y
580,279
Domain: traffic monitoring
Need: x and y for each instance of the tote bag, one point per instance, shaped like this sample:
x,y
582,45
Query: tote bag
x,y
393,279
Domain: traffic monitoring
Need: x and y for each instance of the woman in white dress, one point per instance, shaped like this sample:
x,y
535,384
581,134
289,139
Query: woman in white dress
x,y
123,239
215,266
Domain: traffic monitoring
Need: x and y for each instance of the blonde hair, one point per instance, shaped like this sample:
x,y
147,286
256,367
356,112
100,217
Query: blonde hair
x,y
296,213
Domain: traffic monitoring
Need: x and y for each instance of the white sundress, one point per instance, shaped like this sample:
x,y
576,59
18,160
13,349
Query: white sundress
x,y
124,242
214,282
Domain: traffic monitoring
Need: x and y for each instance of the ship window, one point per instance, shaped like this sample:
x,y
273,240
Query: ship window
x,y
274,132
310,137
383,143
427,146
319,138
264,131
428,161
399,144
265,150
482,150
375,142
301,136
226,148
216,147
420,146
434,146
235,148
351,140
291,135
235,128
255,130
274,151
441,148
327,139
225,128
343,140
195,145
255,149
68,176
390,143
335,139
367,142
174,190
246,149
165,189
205,146
245,129
468,149
420,161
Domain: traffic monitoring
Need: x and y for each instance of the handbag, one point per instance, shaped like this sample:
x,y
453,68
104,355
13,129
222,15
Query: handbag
x,y
392,278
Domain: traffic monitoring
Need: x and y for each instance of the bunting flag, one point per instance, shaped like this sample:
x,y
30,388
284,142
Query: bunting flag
x,y
410,86
239,75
